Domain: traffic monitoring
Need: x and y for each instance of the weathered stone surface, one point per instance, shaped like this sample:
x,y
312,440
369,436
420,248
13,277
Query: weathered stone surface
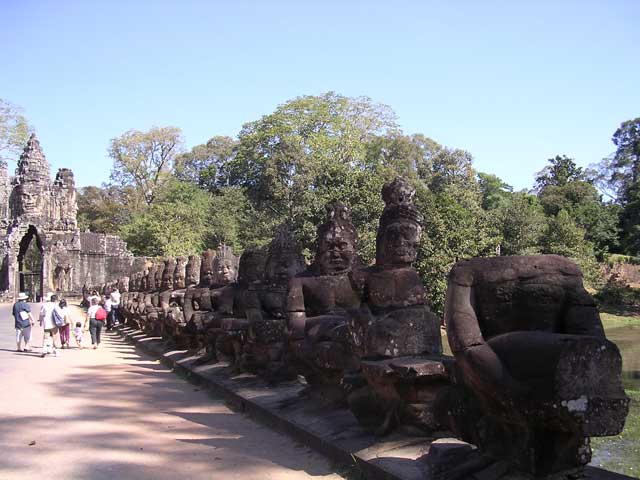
x,y
35,209
538,376
394,329
318,301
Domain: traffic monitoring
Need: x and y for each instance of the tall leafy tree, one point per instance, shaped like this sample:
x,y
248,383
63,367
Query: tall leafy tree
x,y
102,209
311,150
521,222
175,224
561,171
206,165
495,192
626,160
14,131
145,161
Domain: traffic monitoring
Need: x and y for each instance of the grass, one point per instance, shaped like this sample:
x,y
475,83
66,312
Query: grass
x,y
621,454
618,318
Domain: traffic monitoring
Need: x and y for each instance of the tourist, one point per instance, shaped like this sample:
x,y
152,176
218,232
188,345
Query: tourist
x,y
96,316
23,322
106,304
78,333
115,307
62,310
48,324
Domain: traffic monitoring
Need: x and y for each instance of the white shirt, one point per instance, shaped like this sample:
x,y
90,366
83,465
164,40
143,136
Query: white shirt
x,y
92,311
115,298
46,315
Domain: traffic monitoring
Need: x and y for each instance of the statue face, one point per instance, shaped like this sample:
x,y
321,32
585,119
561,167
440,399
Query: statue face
x,y
206,276
400,243
28,201
335,253
283,266
167,282
226,272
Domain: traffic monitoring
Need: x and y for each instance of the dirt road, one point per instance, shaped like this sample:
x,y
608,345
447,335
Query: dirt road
x,y
113,413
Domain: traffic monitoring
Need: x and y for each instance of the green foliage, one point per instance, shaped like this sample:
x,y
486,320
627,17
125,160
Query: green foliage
x,y
584,205
521,222
228,220
206,165
310,151
144,161
102,210
175,224
455,225
495,193
626,161
563,237
561,171
14,131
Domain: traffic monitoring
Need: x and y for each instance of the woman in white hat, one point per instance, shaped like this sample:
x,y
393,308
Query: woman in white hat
x,y
24,322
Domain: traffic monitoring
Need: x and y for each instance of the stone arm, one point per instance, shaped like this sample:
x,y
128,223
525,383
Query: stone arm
x,y
295,309
582,316
222,300
252,305
188,304
482,369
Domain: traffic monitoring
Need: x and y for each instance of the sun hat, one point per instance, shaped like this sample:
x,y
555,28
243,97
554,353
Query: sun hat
x,y
22,296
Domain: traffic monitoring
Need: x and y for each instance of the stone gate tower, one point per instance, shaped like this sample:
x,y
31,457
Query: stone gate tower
x,y
34,209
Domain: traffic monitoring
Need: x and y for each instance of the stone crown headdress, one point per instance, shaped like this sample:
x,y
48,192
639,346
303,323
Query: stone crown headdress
x,y
398,198
284,240
339,220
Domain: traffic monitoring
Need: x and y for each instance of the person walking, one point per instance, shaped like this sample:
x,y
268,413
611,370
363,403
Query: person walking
x,y
65,330
96,316
48,324
106,304
115,307
23,322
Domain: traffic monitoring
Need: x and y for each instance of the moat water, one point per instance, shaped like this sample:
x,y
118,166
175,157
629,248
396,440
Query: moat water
x,y
622,453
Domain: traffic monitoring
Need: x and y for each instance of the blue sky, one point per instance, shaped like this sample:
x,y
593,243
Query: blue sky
x,y
514,83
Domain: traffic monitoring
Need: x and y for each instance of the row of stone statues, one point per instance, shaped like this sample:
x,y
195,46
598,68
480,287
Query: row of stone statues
x,y
532,377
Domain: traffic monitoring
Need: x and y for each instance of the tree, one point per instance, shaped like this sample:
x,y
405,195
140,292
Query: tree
x,y
630,220
175,224
495,192
561,171
145,161
206,165
311,150
102,210
521,222
582,201
627,157
14,131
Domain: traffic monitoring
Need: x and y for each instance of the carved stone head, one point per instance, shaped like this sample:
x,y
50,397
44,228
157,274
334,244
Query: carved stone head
x,y
251,267
285,259
179,273
191,271
207,271
123,284
225,266
158,276
167,274
151,278
336,241
400,226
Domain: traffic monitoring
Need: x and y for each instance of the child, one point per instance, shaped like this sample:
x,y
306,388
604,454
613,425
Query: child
x,y
77,332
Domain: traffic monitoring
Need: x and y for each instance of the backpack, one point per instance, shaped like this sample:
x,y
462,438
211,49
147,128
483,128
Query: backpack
x,y
101,314
57,318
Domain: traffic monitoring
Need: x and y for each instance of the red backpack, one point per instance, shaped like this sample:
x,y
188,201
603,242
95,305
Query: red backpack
x,y
101,314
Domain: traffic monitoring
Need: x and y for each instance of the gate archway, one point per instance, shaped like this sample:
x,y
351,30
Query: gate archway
x,y
30,264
